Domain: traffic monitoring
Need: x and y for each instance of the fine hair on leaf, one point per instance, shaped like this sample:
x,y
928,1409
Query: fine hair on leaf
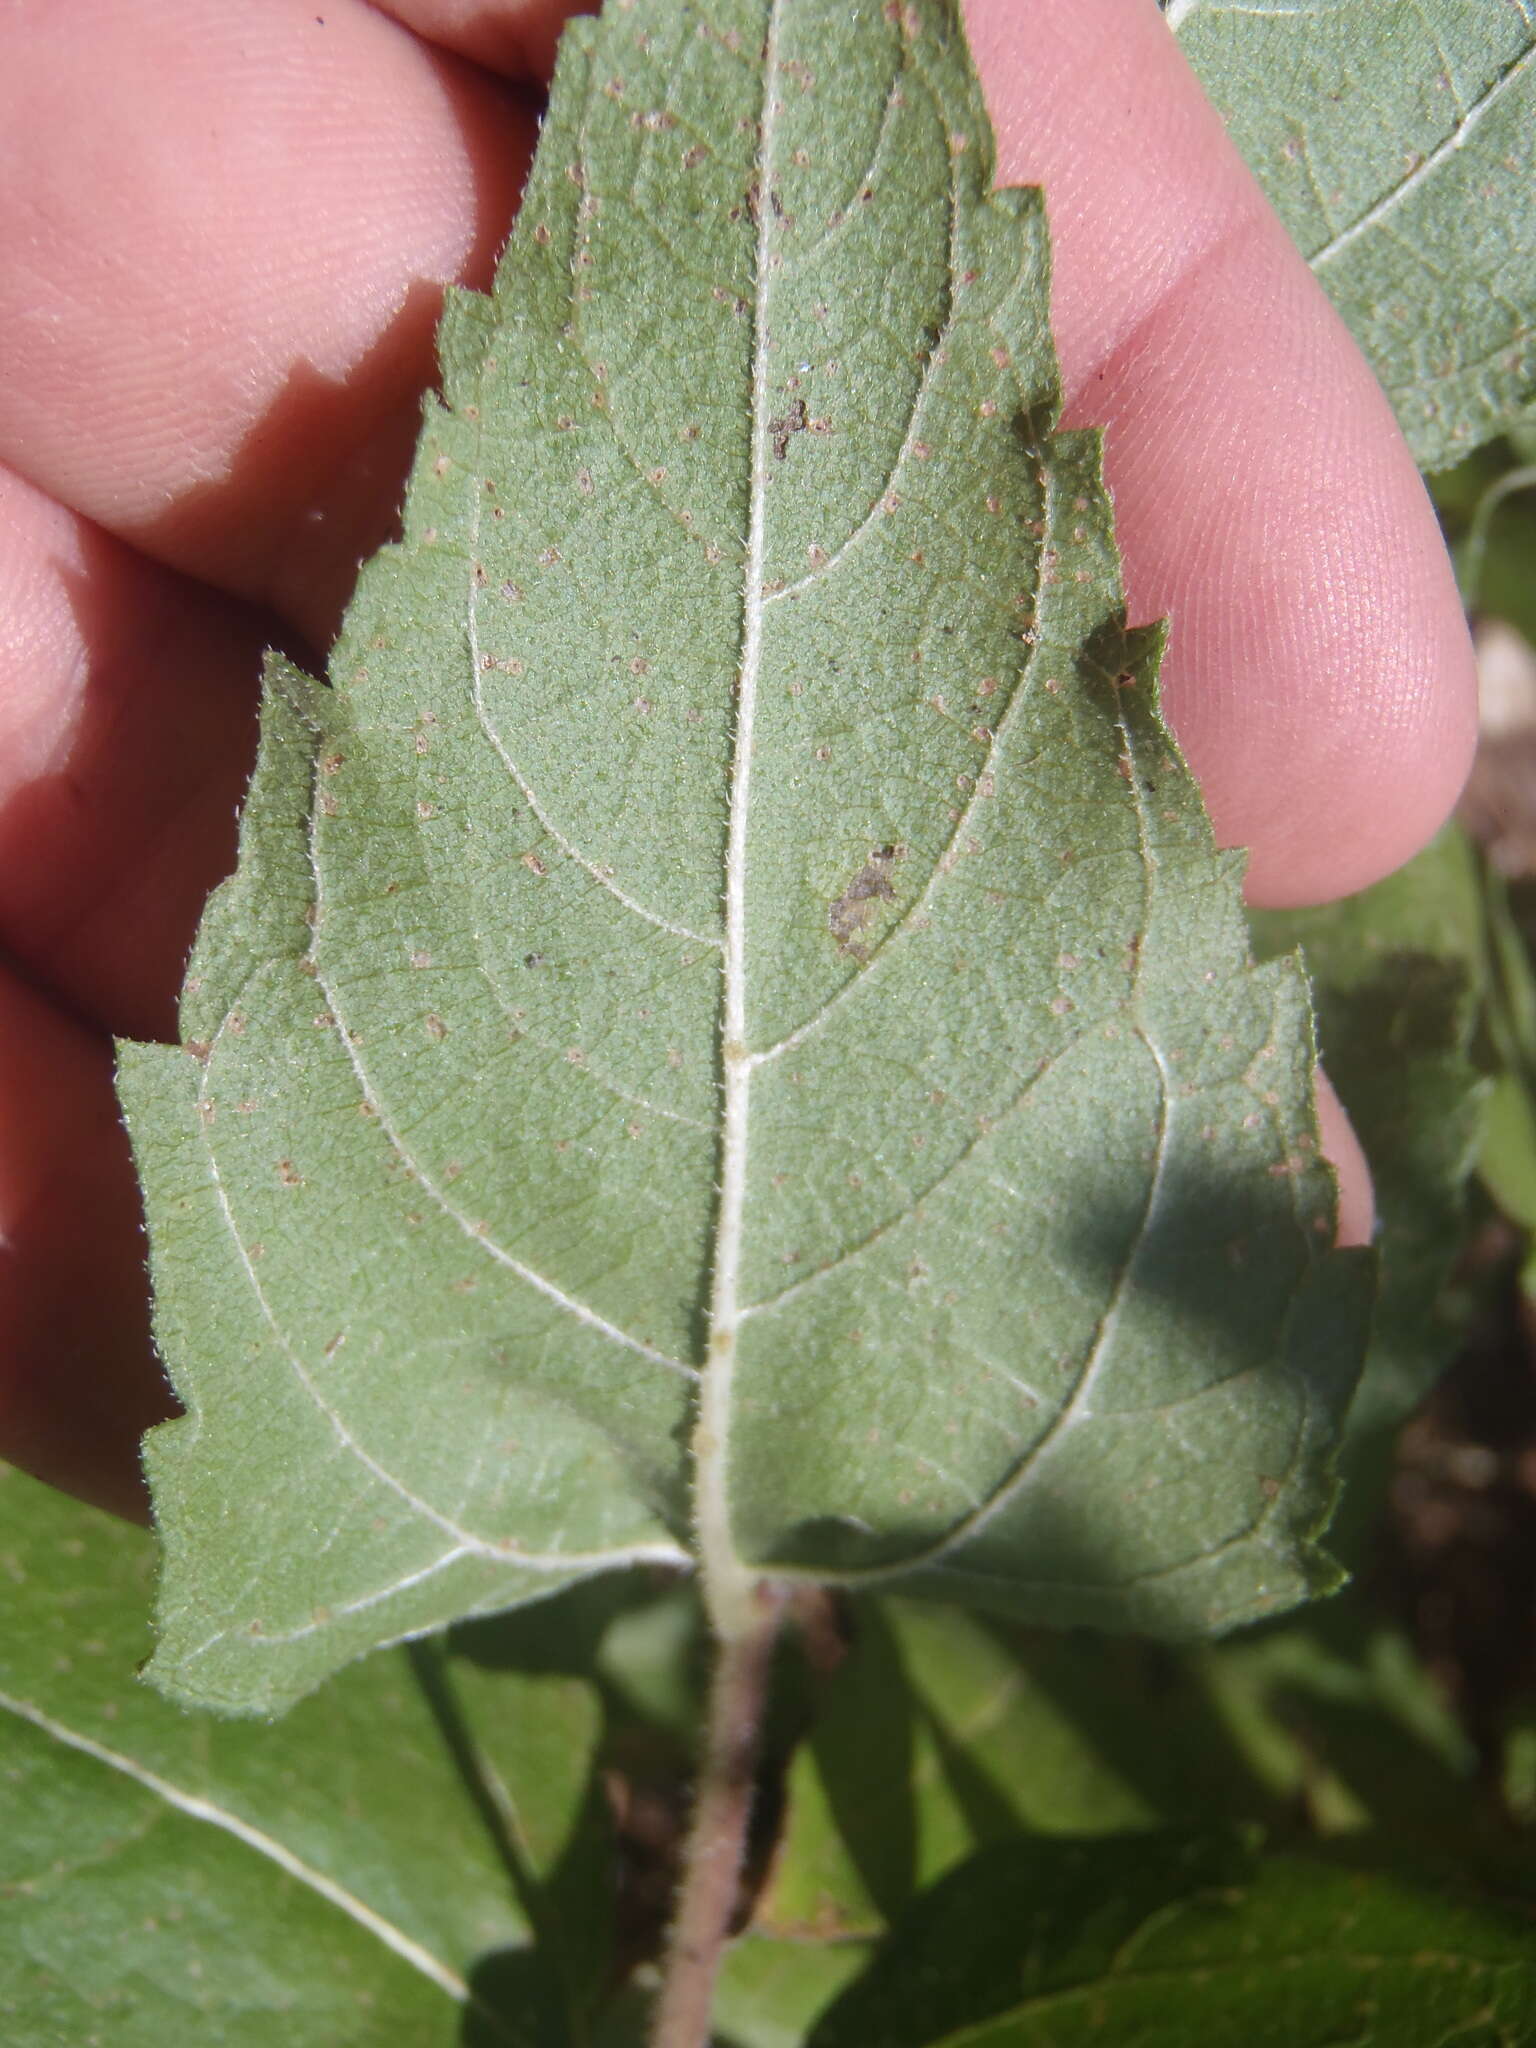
x,y
730,1046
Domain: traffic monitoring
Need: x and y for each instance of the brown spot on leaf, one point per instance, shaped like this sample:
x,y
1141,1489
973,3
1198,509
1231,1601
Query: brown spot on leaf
x,y
849,915
794,421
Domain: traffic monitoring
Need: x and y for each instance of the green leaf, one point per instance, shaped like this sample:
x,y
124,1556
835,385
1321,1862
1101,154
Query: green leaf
x,y
1506,1161
1399,977
770,1992
1397,140
1344,1729
1159,1942
367,1874
1487,506
941,1732
736,929
1511,1008
1522,435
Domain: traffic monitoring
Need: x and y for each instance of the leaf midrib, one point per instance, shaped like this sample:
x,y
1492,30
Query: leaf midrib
x,y
726,1581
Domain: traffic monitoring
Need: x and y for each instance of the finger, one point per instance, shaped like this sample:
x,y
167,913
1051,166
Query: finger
x,y
78,1378
516,38
127,700
1319,676
214,344
1341,1148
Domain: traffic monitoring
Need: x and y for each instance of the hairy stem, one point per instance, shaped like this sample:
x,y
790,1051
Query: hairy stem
x,y
717,1840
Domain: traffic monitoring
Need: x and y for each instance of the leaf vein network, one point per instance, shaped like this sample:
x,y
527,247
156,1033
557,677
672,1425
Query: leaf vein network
x,y
1455,140
903,456
604,1081
540,1282
964,1159
465,1542
567,848
949,859
848,211
301,1372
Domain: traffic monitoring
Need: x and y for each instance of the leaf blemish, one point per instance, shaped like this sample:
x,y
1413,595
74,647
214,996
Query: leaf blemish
x,y
849,915
795,420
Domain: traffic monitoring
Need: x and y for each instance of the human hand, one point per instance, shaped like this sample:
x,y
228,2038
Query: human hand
x,y
226,231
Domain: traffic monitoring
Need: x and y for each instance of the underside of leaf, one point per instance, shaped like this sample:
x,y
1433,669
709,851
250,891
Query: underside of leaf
x,y
729,1042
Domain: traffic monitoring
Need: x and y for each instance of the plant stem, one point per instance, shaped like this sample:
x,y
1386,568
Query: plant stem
x,y
717,1840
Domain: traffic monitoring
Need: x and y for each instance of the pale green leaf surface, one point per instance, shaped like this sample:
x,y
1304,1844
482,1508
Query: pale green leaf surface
x,y
1397,140
335,1881
737,924
1157,1942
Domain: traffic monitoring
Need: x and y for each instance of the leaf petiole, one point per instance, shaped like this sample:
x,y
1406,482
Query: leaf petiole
x,y
722,1815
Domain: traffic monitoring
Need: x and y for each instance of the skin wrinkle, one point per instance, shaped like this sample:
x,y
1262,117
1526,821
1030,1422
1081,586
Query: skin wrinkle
x,y
208,341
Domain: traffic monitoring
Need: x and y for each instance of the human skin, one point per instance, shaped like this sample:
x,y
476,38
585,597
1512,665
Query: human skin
x,y
224,231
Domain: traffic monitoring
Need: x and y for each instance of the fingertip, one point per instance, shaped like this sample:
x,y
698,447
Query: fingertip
x,y
517,38
1319,675
1344,1153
